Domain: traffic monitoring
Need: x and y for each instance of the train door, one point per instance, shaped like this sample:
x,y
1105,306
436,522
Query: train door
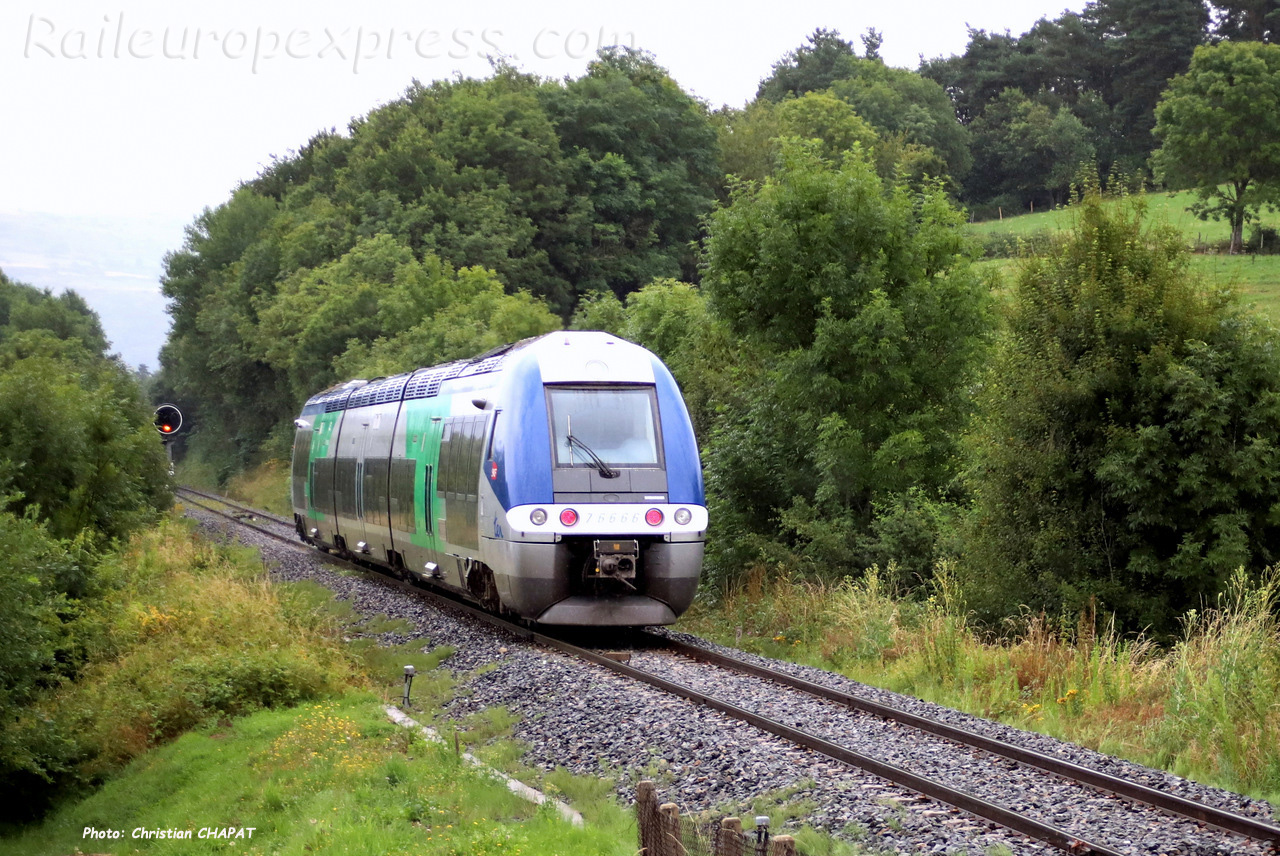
x,y
405,495
377,426
300,468
346,479
461,448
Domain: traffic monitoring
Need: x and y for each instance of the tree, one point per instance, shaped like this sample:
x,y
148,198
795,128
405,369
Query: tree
x,y
1027,151
894,101
1129,450
897,102
1246,20
751,138
1219,131
861,322
78,450
1147,43
1106,65
644,158
812,67
66,316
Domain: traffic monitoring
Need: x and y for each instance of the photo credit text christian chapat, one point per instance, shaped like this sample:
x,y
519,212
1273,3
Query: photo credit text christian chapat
x,y
202,832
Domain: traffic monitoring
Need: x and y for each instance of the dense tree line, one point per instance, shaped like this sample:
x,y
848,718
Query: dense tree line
x,y
1079,89
80,465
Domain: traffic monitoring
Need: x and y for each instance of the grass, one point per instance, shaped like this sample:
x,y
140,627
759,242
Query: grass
x,y
266,486
1204,708
1170,208
1256,278
331,777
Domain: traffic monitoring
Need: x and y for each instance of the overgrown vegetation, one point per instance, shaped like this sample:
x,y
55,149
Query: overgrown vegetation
x,y
163,727
1202,706
177,634
80,467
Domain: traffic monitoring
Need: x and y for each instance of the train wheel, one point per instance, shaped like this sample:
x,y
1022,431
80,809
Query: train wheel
x,y
481,584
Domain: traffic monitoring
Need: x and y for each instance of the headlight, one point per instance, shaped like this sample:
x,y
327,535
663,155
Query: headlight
x,y
683,516
538,516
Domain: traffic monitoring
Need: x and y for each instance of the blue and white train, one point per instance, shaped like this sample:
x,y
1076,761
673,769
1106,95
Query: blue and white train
x,y
556,479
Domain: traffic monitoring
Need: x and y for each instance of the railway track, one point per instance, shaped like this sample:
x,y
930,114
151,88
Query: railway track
x,y
671,666
238,506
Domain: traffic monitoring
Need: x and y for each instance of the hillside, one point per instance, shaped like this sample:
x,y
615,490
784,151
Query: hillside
x,y
1170,208
1257,277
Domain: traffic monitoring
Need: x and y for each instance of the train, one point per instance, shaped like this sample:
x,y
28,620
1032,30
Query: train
x,y
556,479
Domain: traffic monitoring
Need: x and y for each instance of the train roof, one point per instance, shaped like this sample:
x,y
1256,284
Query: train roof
x,y
426,382
421,383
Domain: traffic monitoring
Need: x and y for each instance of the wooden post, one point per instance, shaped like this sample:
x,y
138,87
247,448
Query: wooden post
x,y
729,838
782,845
672,843
647,819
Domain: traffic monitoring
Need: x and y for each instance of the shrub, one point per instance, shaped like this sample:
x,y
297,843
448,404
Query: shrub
x,y
1008,245
1264,240
185,633
1128,451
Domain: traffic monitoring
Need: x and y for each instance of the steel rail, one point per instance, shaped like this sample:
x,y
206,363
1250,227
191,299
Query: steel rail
x,y
290,540
283,521
962,800
1181,806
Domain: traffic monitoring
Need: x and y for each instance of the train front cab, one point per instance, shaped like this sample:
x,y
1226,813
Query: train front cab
x,y
606,520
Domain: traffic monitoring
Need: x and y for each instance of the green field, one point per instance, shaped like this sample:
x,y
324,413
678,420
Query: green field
x,y
1257,278
1168,208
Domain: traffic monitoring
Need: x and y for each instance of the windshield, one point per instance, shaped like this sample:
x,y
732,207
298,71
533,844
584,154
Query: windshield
x,y
617,424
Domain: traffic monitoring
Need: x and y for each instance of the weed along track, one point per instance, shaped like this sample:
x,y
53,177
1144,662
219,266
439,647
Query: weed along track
x,y
718,729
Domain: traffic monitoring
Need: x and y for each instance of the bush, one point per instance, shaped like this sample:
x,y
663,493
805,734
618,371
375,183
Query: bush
x,y
1263,240
1009,245
1128,451
32,565
184,634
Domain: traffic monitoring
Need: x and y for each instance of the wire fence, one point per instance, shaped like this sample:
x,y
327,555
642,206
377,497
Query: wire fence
x,y
663,832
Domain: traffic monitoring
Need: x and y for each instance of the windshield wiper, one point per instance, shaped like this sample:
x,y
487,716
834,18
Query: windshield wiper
x,y
569,440
605,470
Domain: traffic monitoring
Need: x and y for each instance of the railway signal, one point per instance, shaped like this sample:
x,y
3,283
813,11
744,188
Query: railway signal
x,y
168,420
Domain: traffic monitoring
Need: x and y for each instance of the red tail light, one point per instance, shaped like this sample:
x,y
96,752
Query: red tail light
x,y
653,516
568,517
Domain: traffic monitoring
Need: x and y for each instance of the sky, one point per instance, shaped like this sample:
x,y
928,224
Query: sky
x,y
120,122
